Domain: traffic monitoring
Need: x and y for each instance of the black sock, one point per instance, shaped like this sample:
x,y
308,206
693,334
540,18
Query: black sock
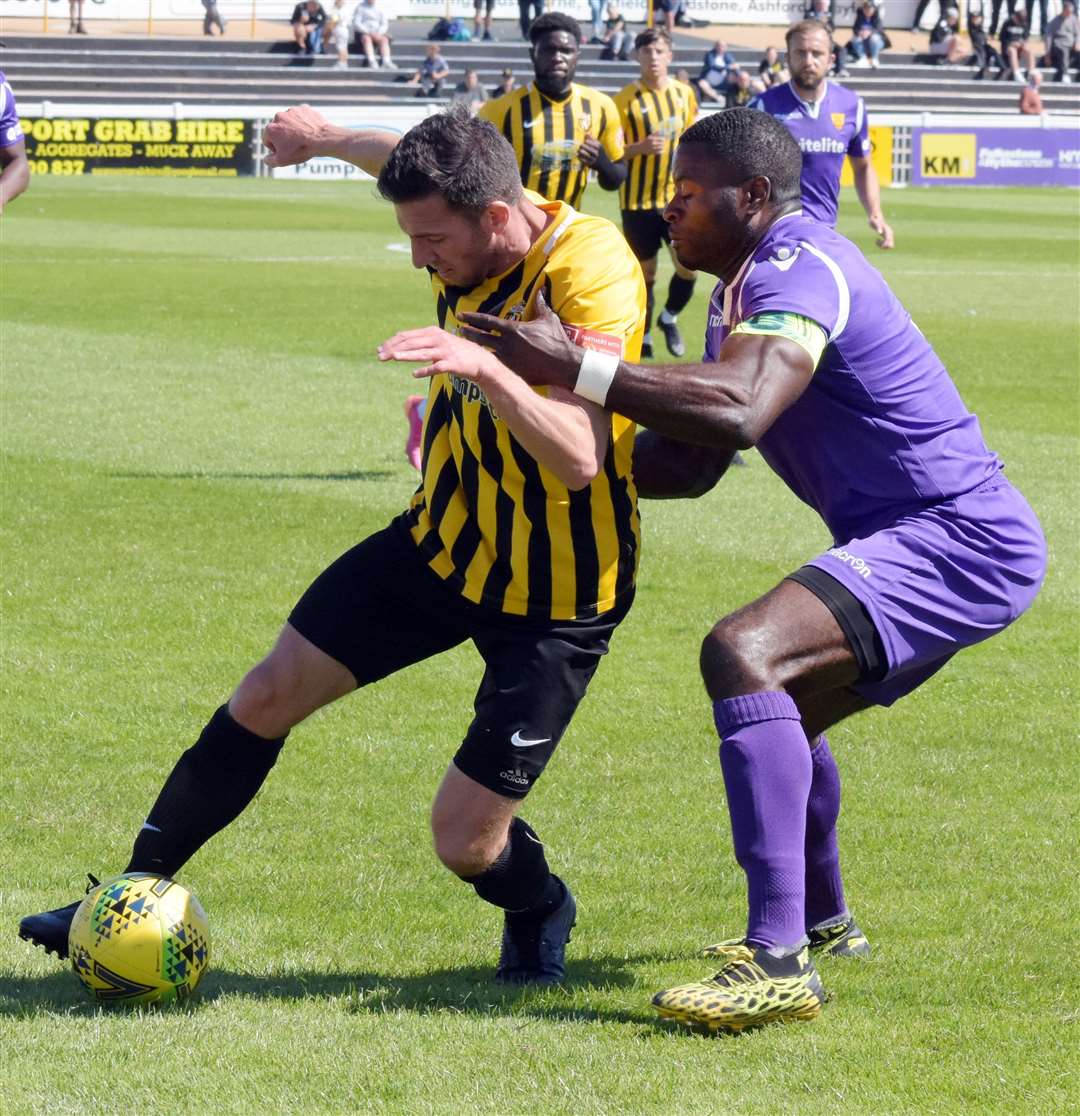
x,y
210,785
679,293
649,306
519,880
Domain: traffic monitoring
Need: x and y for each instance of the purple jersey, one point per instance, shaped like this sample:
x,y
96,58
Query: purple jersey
x,y
827,131
881,430
10,129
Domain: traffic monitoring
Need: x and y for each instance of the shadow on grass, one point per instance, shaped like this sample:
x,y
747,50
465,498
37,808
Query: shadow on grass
x,y
460,991
360,475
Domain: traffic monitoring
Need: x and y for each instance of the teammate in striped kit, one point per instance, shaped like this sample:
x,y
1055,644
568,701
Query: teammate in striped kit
x,y
655,110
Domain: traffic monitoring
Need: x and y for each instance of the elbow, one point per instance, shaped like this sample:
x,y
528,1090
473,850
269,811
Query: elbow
x,y
580,471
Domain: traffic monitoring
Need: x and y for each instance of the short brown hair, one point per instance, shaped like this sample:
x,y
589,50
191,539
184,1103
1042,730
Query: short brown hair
x,y
804,27
652,35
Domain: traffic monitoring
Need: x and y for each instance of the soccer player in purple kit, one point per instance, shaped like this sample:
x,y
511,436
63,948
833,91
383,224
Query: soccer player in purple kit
x,y
14,169
829,124
811,358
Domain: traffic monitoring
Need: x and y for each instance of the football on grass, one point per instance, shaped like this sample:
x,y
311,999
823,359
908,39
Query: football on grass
x,y
139,939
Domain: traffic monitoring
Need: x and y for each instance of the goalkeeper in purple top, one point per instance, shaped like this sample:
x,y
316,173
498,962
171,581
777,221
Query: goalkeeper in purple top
x,y
829,125
810,358
14,168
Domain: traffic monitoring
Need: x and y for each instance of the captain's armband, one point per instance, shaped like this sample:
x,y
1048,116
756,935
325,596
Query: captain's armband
x,y
805,332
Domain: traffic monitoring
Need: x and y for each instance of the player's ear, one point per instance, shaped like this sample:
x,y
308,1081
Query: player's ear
x,y
497,215
758,193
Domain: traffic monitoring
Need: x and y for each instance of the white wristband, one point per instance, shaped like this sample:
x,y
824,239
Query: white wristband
x,y
595,374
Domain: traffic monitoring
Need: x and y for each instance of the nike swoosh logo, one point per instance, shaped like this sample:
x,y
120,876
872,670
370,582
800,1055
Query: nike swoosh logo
x,y
152,828
519,741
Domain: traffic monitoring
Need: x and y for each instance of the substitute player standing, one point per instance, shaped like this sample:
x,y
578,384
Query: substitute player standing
x,y
522,537
655,110
811,359
829,122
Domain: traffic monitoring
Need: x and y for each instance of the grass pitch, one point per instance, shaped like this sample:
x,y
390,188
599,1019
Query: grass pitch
x,y
194,424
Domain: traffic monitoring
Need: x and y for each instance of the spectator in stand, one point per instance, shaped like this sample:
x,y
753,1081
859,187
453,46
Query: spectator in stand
x,y
371,26
868,38
995,13
1015,52
307,26
741,92
469,91
482,21
669,9
596,17
212,18
1030,5
507,83
946,46
1062,37
432,73
683,74
529,10
983,54
715,79
336,33
76,27
916,23
1030,100
771,68
616,37
820,12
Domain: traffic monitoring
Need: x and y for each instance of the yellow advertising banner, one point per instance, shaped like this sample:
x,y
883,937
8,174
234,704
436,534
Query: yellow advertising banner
x,y
881,143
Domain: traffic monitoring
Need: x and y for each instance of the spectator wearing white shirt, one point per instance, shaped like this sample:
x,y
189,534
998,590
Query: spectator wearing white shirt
x,y
372,28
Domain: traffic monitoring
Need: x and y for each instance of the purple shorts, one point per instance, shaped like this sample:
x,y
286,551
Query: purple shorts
x,y
941,579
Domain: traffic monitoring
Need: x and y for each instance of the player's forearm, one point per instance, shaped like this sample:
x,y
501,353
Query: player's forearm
x,y
610,175
367,150
14,179
869,191
665,469
558,432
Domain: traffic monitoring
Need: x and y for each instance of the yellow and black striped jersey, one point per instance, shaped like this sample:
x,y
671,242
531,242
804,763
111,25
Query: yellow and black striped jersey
x,y
546,135
487,517
670,111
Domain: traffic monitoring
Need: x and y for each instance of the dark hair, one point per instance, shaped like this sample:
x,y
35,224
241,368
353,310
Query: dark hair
x,y
651,35
554,21
457,155
805,26
751,143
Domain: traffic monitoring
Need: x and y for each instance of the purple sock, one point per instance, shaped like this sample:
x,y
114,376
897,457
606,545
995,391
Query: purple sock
x,y
824,885
766,765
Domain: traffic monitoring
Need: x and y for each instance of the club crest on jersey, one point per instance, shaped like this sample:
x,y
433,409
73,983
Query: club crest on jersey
x,y
516,312
585,119
837,119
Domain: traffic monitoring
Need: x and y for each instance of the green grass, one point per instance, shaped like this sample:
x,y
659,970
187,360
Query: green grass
x,y
194,423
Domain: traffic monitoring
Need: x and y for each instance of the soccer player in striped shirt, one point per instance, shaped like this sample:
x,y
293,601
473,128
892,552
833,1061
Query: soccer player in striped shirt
x,y
14,168
559,130
521,538
655,110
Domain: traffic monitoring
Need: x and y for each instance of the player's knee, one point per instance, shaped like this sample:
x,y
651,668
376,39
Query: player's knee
x,y
733,662
264,699
466,852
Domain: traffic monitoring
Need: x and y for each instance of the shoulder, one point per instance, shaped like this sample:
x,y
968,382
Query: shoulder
x,y
588,251
772,100
598,99
626,94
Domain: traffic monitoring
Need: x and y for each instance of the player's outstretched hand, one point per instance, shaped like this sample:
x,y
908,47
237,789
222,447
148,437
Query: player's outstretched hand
x,y
538,351
885,234
296,135
441,352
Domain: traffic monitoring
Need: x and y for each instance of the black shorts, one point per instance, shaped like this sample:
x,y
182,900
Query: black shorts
x,y
645,230
379,608
852,617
